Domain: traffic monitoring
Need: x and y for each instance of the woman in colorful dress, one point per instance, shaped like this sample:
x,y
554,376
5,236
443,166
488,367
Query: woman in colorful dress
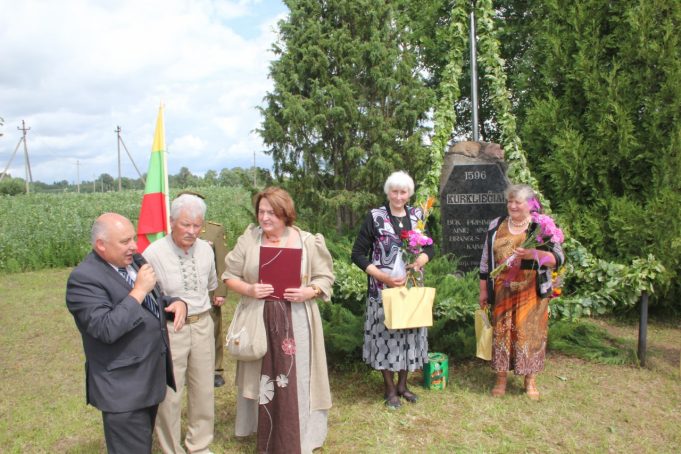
x,y
519,295
285,396
375,251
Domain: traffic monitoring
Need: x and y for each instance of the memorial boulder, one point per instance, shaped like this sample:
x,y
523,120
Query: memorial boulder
x,y
472,185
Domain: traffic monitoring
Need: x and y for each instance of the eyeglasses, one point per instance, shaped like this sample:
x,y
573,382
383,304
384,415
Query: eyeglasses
x,y
270,213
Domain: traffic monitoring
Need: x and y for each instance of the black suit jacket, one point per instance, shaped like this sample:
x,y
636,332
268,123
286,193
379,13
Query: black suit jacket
x,y
127,354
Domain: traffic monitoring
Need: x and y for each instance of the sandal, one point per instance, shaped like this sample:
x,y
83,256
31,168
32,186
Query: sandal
x,y
392,402
408,396
531,387
500,386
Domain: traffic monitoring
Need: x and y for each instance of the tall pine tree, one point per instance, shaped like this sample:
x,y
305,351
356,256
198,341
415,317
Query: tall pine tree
x,y
598,96
348,104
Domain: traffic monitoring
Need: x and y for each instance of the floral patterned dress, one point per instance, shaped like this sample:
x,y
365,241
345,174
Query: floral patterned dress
x,y
284,397
279,425
519,315
284,384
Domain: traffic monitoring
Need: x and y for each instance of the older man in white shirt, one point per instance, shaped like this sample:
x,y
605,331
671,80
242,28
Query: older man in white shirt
x,y
185,267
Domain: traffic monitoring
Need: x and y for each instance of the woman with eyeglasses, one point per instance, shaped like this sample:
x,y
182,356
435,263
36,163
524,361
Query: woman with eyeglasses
x,y
285,396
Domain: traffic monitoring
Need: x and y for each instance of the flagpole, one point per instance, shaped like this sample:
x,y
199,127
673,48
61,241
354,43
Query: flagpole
x,y
165,182
153,222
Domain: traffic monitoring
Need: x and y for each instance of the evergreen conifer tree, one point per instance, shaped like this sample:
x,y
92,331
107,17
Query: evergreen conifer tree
x,y
348,103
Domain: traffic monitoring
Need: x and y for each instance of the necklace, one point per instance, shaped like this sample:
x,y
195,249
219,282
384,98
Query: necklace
x,y
400,220
519,225
275,242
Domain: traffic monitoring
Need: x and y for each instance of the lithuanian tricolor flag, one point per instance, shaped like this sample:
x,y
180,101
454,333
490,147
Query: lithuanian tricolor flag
x,y
153,221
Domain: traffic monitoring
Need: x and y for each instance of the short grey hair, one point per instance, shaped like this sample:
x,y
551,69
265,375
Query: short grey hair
x,y
98,232
399,180
520,191
194,206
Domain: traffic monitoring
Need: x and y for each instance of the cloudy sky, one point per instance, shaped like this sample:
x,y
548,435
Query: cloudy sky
x,y
73,70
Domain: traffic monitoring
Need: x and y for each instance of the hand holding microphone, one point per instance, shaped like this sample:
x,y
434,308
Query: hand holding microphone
x,y
146,277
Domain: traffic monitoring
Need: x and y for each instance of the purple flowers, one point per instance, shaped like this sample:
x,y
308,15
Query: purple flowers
x,y
548,231
414,241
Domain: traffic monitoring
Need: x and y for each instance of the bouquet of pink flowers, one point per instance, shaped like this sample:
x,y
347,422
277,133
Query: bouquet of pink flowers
x,y
413,242
547,231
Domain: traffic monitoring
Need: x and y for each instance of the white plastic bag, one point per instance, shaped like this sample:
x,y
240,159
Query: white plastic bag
x,y
399,270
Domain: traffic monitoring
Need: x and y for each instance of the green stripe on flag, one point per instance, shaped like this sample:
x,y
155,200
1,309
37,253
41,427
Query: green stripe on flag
x,y
155,180
155,236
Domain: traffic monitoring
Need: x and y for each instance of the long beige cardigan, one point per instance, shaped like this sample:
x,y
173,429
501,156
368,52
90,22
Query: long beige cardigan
x,y
316,268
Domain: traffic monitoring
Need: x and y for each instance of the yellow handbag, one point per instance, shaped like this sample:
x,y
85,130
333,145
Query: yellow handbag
x,y
483,335
408,307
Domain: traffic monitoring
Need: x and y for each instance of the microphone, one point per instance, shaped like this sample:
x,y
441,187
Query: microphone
x,y
139,260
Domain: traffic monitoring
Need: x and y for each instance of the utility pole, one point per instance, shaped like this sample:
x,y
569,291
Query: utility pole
x,y
118,145
78,176
27,163
474,77
255,182
9,163
94,183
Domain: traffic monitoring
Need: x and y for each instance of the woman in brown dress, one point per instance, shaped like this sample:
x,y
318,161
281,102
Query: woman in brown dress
x,y
285,396
519,295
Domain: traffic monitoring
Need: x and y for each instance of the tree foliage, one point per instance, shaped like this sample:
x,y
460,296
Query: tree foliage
x,y
598,99
12,186
348,102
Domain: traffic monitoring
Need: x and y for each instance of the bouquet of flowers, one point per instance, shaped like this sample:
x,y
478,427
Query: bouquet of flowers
x,y
557,282
547,231
413,242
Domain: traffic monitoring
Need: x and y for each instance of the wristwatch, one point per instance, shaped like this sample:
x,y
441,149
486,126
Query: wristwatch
x,y
317,290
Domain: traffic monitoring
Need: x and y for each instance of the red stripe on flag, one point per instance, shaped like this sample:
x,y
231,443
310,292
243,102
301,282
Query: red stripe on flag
x,y
142,243
152,214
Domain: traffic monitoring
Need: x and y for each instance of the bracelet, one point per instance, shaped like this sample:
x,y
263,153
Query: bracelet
x,y
317,290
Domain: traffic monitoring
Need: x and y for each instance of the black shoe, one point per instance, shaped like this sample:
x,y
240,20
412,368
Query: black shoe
x,y
393,402
408,396
219,381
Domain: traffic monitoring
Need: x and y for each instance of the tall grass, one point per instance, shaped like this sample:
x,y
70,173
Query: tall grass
x,y
53,230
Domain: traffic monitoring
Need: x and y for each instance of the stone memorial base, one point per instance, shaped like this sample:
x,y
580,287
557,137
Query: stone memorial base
x,y
472,185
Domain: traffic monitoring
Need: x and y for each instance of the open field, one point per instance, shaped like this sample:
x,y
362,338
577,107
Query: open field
x,y
585,407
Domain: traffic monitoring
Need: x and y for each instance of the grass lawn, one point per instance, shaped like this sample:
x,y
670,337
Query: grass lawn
x,y
585,407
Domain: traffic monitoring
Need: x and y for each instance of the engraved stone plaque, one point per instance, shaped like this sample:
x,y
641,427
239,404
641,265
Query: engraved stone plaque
x,y
470,197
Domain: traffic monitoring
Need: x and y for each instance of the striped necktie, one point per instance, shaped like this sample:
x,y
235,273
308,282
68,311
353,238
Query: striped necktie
x,y
149,302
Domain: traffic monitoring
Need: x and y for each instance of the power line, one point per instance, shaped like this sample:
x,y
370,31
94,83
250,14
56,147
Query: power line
x,y
119,142
27,162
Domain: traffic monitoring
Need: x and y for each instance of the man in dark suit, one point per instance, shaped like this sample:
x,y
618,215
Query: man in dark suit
x,y
118,311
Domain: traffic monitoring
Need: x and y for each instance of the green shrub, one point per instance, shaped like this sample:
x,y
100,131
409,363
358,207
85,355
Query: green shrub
x,y
456,296
456,300
457,340
350,287
590,342
597,287
343,317
343,333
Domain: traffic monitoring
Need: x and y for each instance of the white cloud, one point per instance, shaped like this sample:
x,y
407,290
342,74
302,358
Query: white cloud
x,y
189,146
76,69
